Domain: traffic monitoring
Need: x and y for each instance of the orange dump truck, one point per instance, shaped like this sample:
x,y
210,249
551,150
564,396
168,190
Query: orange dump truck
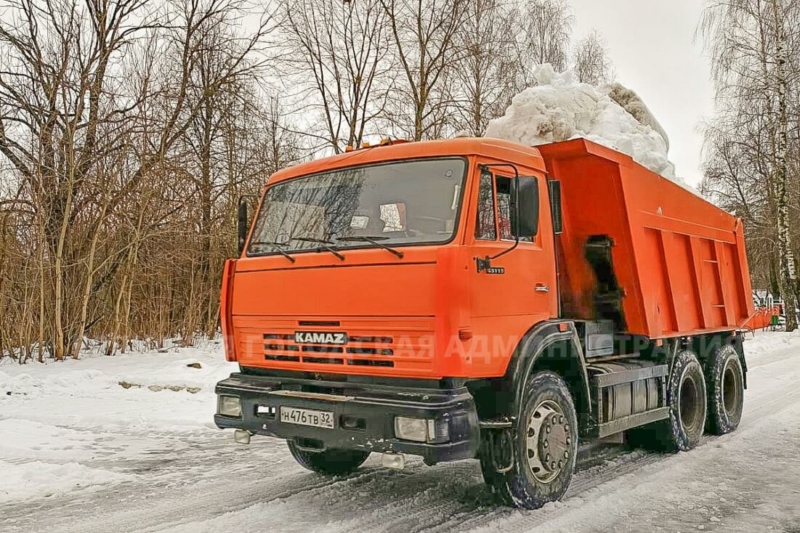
x,y
476,298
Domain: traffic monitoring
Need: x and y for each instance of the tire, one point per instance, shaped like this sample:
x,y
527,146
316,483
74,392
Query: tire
x,y
725,384
548,425
329,462
686,397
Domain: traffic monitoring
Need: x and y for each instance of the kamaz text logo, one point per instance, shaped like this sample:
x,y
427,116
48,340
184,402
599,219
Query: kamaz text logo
x,y
319,337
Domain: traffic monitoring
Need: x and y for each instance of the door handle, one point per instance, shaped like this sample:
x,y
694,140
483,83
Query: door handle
x,y
541,287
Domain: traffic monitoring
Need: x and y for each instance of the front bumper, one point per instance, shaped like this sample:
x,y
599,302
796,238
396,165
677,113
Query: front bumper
x,y
363,414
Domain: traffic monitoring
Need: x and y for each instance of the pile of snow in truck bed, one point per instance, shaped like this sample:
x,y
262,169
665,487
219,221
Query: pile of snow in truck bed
x,y
560,108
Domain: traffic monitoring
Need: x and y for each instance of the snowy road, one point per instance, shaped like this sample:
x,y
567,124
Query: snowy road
x,y
147,459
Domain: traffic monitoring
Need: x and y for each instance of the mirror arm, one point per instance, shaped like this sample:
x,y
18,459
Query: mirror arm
x,y
516,206
241,237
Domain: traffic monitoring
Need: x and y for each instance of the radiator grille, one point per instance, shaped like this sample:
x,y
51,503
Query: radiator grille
x,y
361,350
359,346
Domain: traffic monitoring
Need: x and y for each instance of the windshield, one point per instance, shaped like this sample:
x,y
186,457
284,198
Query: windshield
x,y
412,202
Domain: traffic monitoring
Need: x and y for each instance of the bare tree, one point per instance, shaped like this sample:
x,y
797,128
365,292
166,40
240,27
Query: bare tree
x,y
95,100
488,72
339,52
424,36
591,62
546,28
754,78
736,177
59,116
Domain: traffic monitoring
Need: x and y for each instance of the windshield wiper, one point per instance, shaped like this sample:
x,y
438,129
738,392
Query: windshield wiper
x,y
324,244
372,239
278,246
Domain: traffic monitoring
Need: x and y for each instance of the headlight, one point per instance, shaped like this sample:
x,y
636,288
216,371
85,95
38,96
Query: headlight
x,y
415,429
421,429
229,406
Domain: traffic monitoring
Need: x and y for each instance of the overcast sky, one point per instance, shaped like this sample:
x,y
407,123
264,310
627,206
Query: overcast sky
x,y
651,45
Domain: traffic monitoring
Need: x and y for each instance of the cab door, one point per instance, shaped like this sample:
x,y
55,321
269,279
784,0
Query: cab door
x,y
512,292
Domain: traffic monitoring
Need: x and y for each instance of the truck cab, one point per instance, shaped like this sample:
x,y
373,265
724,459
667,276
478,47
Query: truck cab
x,y
435,299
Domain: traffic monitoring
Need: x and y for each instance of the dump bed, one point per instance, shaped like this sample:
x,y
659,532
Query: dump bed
x,y
642,250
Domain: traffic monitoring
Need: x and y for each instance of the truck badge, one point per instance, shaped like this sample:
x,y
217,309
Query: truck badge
x,y
319,337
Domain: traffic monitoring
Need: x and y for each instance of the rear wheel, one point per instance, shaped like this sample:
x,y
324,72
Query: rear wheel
x,y
544,446
725,391
686,397
329,462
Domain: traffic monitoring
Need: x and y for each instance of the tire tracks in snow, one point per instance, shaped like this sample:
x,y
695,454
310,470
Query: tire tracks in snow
x,y
619,464
762,407
624,462
211,499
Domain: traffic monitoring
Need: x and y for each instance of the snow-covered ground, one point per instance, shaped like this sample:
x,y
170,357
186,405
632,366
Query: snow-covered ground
x,y
127,443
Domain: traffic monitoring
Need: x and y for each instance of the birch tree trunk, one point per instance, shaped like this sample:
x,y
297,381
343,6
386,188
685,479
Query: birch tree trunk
x,y
787,266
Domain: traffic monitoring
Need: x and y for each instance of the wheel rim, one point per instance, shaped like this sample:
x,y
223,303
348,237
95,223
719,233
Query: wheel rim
x,y
548,441
730,388
690,404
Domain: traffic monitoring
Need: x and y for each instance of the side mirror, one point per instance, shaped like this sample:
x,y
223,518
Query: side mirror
x,y
525,202
241,226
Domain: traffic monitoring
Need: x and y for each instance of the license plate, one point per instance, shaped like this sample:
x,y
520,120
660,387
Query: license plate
x,y
307,417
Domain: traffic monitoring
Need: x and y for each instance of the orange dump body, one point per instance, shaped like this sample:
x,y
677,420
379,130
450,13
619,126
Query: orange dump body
x,y
679,261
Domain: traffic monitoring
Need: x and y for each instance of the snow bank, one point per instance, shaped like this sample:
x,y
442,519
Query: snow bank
x,y
81,425
763,343
149,389
559,109
182,368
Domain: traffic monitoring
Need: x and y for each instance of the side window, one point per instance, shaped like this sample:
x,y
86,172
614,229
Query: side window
x,y
504,213
485,225
504,207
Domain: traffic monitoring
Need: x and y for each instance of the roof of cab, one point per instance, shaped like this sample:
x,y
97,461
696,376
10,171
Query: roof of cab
x,y
494,148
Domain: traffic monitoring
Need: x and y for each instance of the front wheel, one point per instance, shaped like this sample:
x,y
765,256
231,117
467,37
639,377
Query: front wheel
x,y
329,462
544,445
